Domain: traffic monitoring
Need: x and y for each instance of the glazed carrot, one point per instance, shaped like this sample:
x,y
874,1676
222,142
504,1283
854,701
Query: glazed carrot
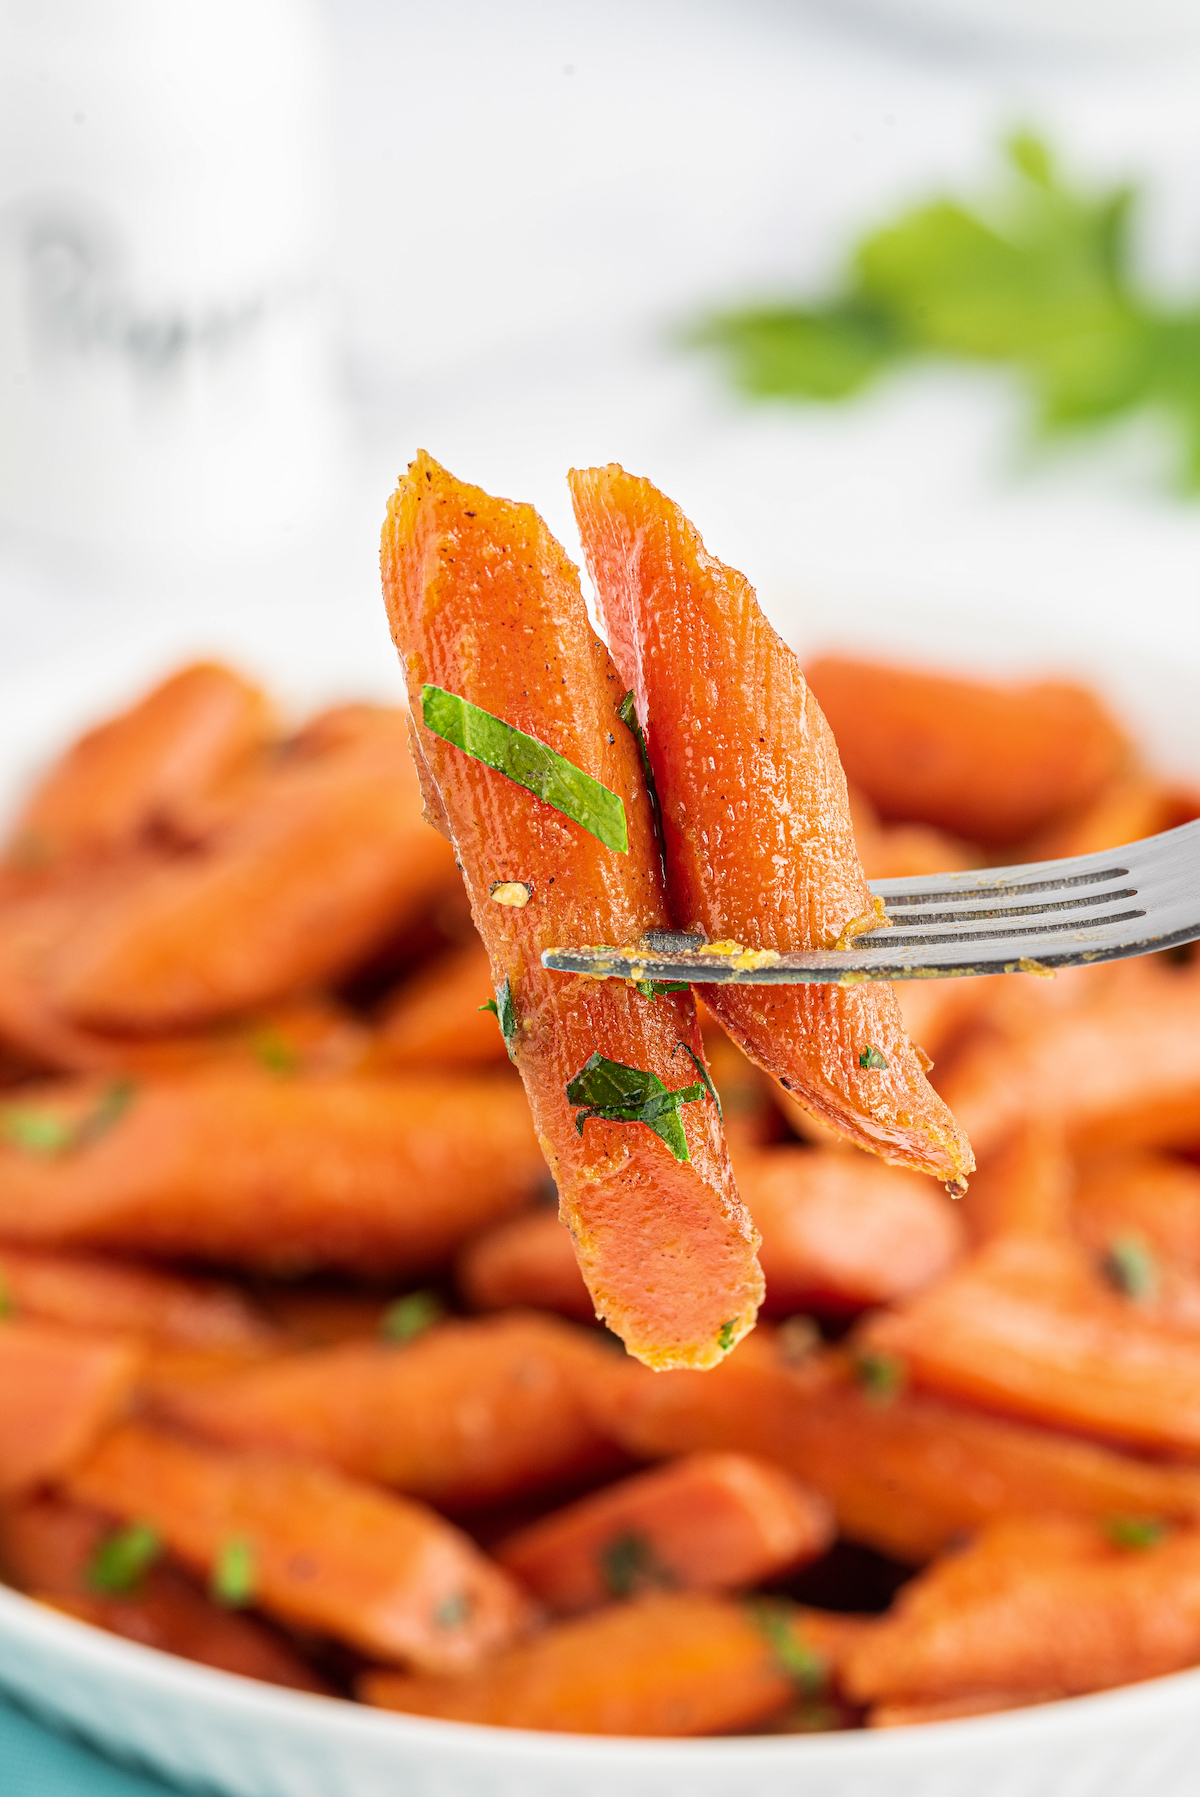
x,y
906,1473
670,1664
527,1260
439,1017
310,1547
1044,1605
466,1414
323,859
1024,1188
379,1175
484,605
707,1522
955,1709
992,763
58,1390
1030,1328
1152,1196
1121,1071
756,826
143,770
1131,805
86,1293
841,1231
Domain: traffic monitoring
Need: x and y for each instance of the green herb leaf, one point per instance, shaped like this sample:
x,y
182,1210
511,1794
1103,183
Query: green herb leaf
x,y
528,762
627,712
1135,1532
702,1070
628,1564
40,1132
621,1094
504,1012
725,1335
882,1376
656,988
273,1050
123,1558
410,1316
453,1611
872,1058
235,1574
1130,1265
775,1620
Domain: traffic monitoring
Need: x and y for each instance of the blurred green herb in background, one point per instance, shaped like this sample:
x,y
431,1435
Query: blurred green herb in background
x,y
1039,278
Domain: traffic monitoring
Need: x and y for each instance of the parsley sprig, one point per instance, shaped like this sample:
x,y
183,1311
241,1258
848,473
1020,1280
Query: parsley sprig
x,y
621,1094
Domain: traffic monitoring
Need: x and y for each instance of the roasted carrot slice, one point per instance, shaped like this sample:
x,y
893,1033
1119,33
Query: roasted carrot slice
x,y
441,1017
485,606
310,1547
992,763
1029,1327
906,1473
1025,1187
145,769
58,1390
670,1664
466,1414
840,1231
708,1522
88,1293
1043,1604
324,858
528,1260
377,1175
757,831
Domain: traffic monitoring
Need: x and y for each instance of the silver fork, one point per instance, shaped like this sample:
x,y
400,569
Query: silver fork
x,y
1030,919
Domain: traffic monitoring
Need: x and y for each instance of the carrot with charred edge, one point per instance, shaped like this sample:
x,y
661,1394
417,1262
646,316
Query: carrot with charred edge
x,y
840,1231
1029,1327
440,1017
756,824
485,606
467,1414
906,1473
58,1389
528,1260
144,769
84,1293
377,1175
708,1522
314,1549
992,763
1041,1605
671,1664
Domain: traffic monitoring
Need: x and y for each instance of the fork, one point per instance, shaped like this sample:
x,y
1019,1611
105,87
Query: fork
x,y
1029,919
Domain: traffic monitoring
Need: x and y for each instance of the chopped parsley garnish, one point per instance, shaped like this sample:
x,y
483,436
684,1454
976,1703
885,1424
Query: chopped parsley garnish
x,y
628,1564
1135,1532
528,762
274,1052
702,1070
620,1094
882,1376
122,1559
453,1611
627,712
656,988
234,1575
725,1335
410,1316
503,1011
39,1132
775,1620
1130,1265
872,1058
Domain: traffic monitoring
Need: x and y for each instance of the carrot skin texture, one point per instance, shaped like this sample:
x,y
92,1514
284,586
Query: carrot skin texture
x,y
382,1573
374,1175
470,1413
673,1664
744,761
483,603
708,1522
58,1389
89,1293
992,763
528,1260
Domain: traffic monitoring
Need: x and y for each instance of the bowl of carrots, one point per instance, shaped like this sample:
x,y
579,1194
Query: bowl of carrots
x,y
423,1370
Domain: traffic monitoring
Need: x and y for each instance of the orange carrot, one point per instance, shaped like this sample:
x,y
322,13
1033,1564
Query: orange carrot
x,y
86,1293
310,1547
1028,1326
1024,1188
484,605
528,1260
992,763
466,1414
1152,1196
323,859
1043,1605
58,1390
708,1522
756,825
439,1017
842,1231
955,1709
380,1175
669,1664
143,770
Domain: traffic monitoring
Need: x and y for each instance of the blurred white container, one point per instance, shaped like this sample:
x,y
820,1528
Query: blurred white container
x,y
164,202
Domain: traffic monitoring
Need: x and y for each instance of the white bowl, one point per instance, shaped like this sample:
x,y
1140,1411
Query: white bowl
x,y
217,1732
